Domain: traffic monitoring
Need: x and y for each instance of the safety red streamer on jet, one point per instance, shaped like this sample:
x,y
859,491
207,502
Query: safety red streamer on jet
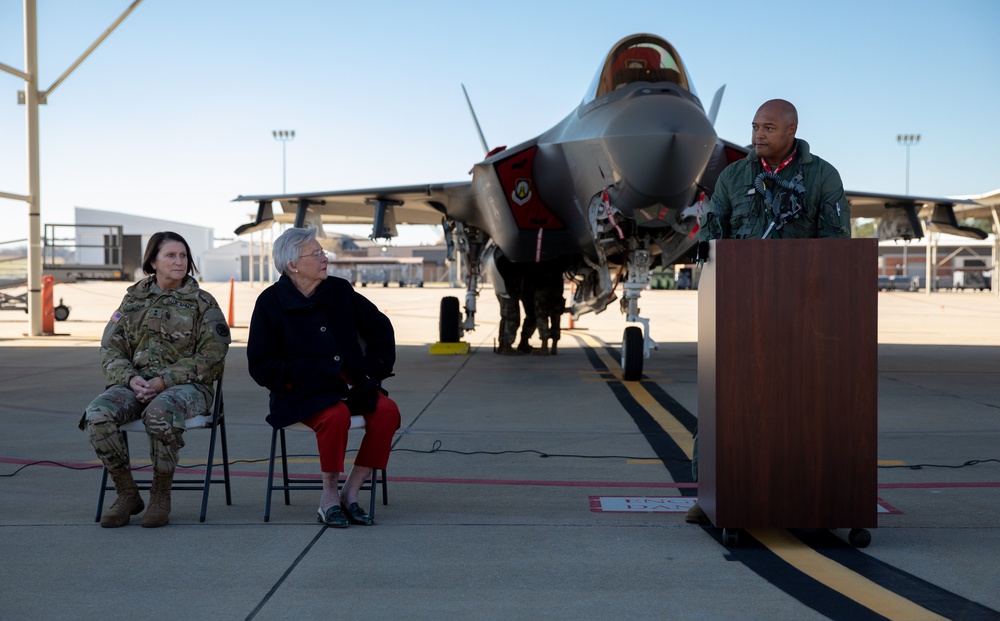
x,y
611,217
697,224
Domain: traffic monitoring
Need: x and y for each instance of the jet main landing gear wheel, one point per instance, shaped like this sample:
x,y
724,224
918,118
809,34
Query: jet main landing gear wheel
x,y
448,327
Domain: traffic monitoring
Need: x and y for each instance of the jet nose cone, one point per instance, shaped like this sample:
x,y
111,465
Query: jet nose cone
x,y
660,143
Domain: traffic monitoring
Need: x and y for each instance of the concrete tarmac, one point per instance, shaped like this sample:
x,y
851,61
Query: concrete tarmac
x,y
519,487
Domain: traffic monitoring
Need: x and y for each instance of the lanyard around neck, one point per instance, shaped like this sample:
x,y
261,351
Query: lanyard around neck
x,y
788,160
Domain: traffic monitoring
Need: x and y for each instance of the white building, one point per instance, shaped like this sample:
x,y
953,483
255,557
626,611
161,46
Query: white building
x,y
136,231
234,260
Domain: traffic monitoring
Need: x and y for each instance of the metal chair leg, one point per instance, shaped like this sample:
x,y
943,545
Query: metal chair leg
x,y
284,466
270,476
100,497
225,461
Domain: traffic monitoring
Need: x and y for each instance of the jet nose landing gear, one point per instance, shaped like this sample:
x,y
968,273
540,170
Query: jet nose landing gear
x,y
635,342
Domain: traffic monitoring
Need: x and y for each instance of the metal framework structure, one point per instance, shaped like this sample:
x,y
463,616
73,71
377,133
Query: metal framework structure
x,y
32,97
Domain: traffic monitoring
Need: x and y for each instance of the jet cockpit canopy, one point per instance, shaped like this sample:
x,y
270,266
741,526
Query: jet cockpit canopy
x,y
639,58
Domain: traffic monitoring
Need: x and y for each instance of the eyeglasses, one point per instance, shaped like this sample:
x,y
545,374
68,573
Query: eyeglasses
x,y
319,253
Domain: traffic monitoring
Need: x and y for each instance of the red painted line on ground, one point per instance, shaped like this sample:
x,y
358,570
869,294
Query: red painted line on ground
x,y
937,485
656,484
891,509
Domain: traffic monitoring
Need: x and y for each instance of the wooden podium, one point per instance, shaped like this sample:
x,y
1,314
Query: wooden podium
x,y
787,383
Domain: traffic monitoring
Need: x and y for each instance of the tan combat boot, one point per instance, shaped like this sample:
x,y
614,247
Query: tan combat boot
x,y
128,502
543,350
555,347
505,349
158,513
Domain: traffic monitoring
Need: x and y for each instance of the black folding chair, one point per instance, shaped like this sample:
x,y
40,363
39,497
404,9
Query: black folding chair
x,y
214,421
289,483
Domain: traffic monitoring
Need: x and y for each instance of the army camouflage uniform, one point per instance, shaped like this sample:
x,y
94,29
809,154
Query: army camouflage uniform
x,y
530,322
546,279
510,319
549,306
178,335
509,300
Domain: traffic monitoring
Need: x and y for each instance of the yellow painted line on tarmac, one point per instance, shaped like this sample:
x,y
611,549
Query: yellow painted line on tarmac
x,y
891,462
839,578
784,545
677,432
618,379
645,462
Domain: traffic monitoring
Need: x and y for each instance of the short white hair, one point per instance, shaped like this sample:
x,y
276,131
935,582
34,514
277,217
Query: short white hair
x,y
288,247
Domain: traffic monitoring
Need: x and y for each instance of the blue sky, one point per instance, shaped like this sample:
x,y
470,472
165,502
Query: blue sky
x,y
172,115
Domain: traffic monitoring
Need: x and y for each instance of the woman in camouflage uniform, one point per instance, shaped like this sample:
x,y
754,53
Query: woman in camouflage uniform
x,y
162,351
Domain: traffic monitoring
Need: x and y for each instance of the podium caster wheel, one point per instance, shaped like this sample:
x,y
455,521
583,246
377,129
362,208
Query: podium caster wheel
x,y
859,537
730,537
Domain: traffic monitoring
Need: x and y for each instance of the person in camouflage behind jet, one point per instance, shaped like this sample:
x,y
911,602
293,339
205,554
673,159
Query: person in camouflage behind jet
x,y
530,318
162,350
546,279
508,284
780,190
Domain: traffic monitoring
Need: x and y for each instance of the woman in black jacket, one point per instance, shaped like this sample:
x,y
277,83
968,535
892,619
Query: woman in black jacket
x,y
323,349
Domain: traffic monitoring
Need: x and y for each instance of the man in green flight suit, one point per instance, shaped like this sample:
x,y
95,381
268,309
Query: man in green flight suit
x,y
778,191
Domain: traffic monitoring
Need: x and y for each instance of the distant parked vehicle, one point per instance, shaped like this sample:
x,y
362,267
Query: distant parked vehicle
x,y
898,283
973,280
945,282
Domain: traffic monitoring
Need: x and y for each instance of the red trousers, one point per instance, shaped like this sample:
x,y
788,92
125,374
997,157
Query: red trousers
x,y
332,425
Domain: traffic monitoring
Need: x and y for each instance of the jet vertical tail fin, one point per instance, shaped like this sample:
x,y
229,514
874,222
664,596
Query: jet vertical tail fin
x,y
716,102
482,139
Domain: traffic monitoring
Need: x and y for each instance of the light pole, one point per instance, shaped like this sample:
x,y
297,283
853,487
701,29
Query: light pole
x,y
908,140
284,135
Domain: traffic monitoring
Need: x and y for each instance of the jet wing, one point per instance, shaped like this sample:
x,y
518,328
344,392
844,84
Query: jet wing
x,y
382,207
898,214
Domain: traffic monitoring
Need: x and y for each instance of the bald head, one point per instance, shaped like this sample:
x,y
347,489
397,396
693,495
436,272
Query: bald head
x,y
774,128
781,109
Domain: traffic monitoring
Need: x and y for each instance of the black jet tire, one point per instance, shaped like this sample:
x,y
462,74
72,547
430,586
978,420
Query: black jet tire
x,y
632,345
449,321
61,312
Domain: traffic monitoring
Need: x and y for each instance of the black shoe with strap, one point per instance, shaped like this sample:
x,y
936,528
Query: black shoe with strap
x,y
333,517
357,515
